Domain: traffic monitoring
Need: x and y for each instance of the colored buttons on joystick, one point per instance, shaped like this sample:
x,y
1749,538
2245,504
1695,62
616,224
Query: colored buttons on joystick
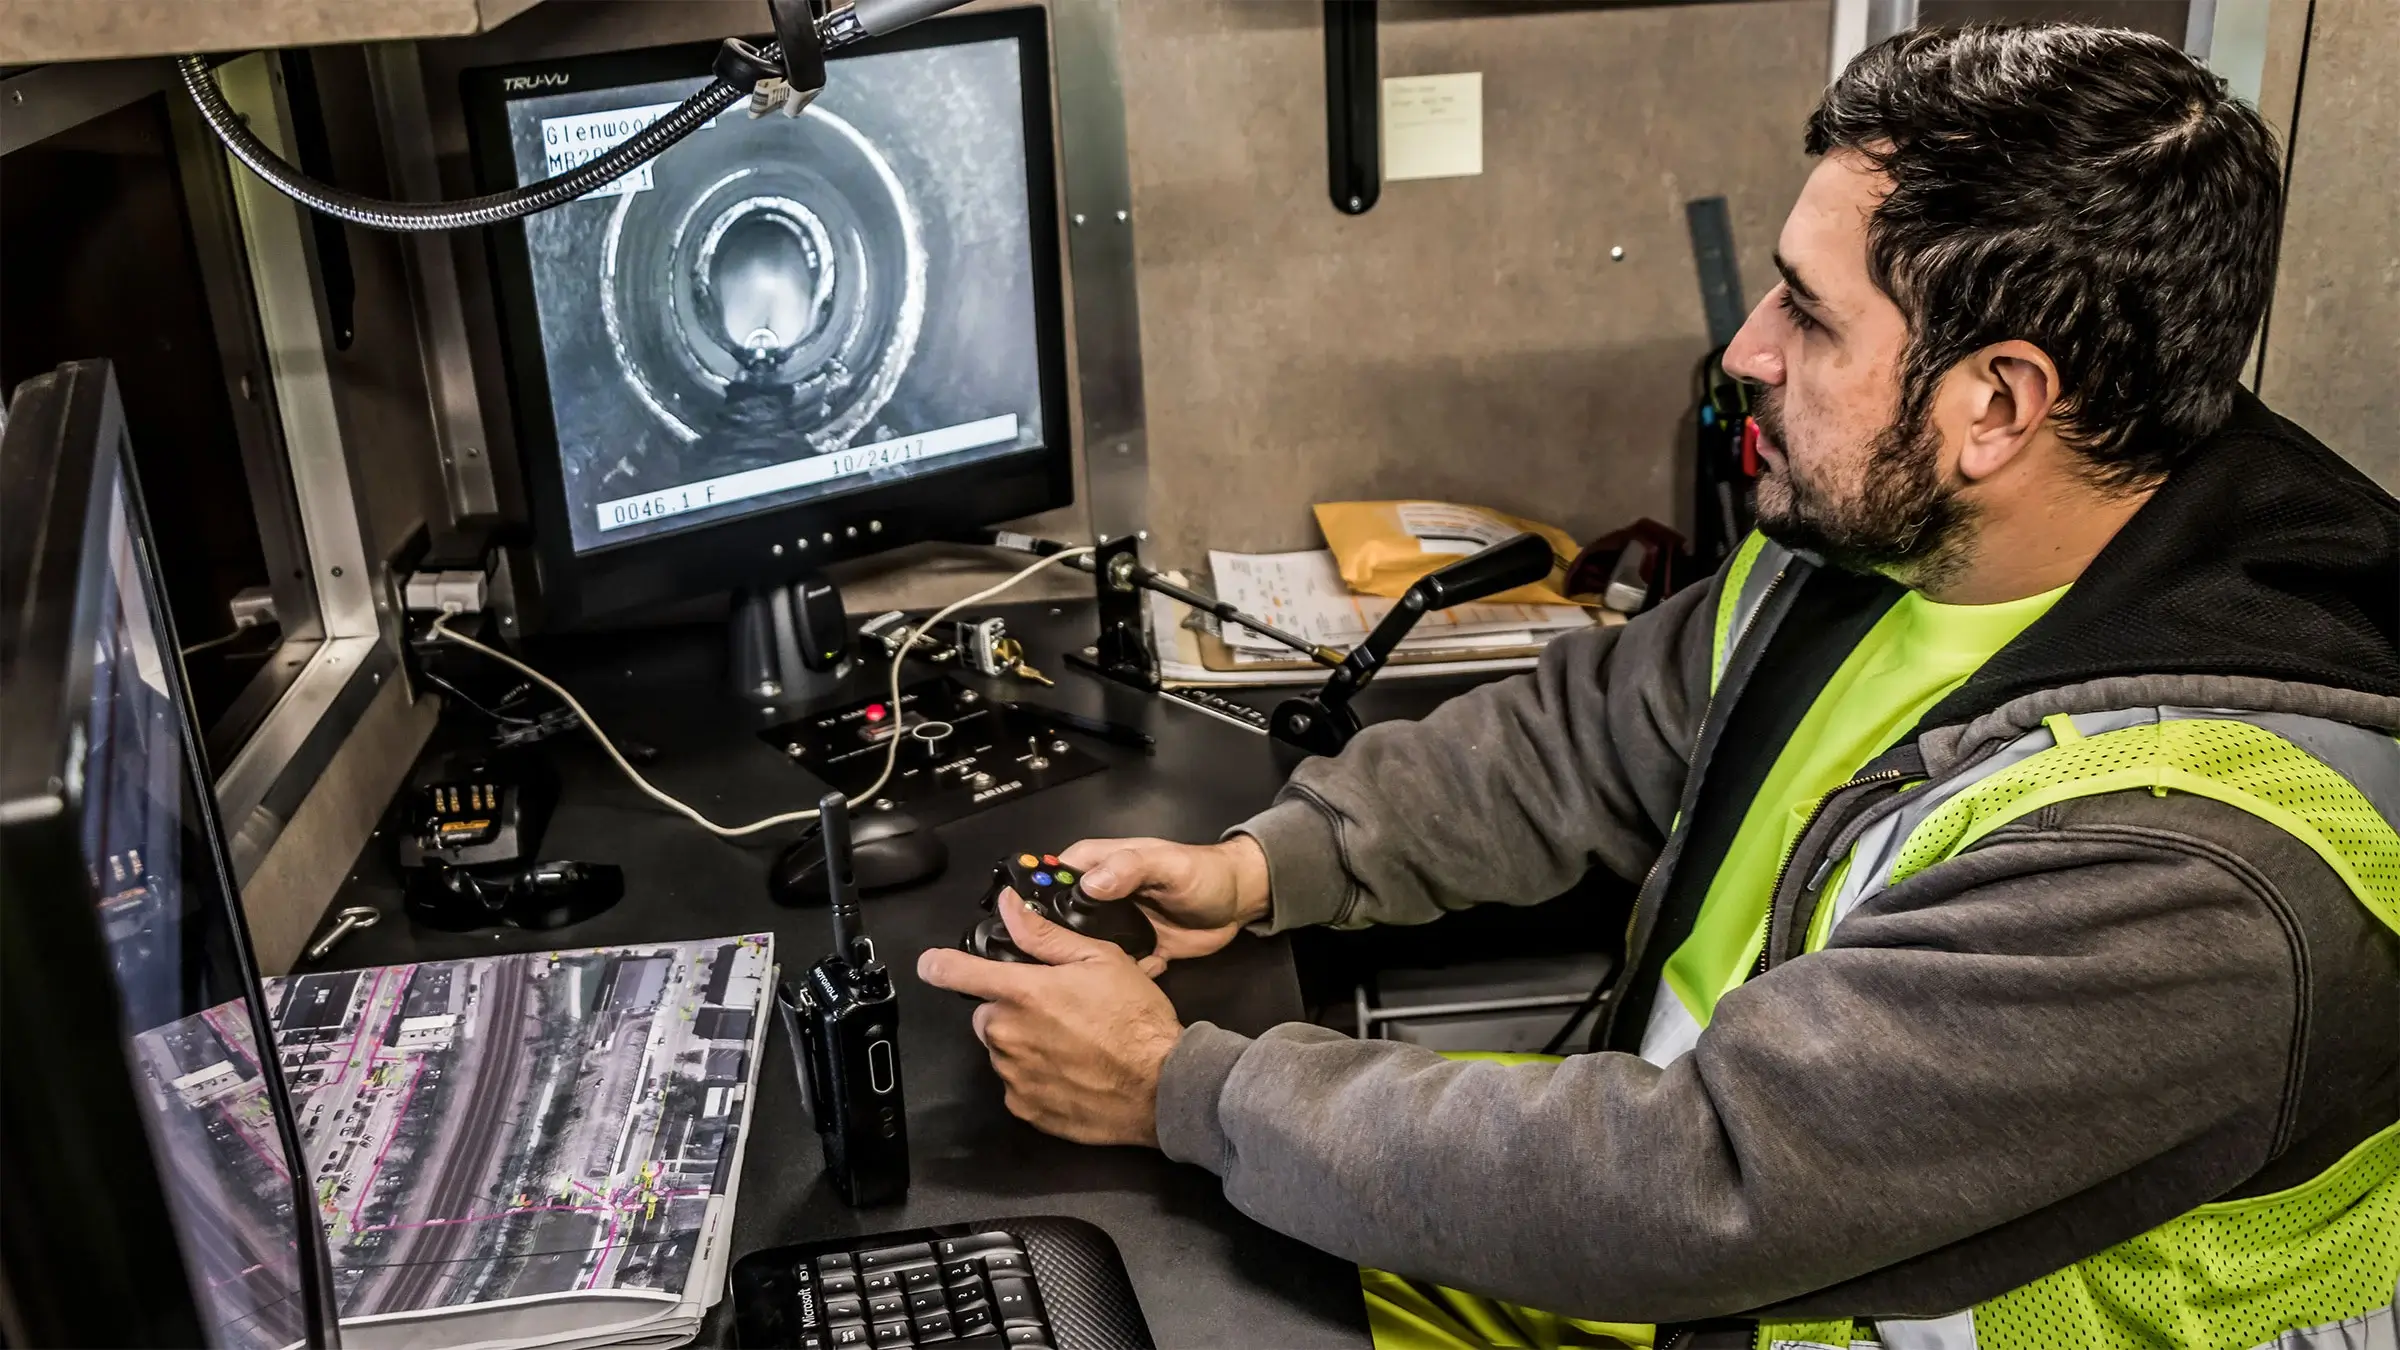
x,y
1065,877
1041,878
1051,859
1028,860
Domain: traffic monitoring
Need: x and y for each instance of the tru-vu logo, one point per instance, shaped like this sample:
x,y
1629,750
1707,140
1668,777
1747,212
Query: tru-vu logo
x,y
555,79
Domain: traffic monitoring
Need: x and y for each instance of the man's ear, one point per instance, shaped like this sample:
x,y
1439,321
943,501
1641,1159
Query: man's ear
x,y
2012,390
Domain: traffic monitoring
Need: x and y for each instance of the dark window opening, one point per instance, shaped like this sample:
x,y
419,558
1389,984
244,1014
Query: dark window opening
x,y
97,259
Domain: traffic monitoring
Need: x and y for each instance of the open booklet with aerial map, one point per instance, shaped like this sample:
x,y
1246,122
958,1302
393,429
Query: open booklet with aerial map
x,y
510,1151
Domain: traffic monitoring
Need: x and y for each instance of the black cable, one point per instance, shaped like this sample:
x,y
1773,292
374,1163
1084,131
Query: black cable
x,y
1582,1010
493,209
462,696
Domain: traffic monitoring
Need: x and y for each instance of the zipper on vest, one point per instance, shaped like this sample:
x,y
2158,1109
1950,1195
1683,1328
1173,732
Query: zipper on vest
x,y
1766,946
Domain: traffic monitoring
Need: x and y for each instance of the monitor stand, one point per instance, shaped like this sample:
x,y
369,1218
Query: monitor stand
x,y
790,643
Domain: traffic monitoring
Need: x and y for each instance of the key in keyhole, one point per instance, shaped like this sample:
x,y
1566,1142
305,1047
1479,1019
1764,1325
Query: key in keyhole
x,y
355,917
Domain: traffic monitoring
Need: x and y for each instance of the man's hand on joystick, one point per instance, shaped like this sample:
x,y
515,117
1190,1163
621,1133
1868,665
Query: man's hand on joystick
x,y
1078,1040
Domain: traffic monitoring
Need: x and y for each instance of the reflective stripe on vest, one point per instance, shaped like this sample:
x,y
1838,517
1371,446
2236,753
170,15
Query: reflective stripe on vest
x,y
2315,1267
1672,1030
1748,577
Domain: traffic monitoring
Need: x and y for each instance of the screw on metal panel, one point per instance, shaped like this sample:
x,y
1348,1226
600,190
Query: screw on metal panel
x,y
802,545
337,571
1124,215
1357,204
17,96
769,689
1617,254
1299,721
1079,217
1091,651
779,550
794,750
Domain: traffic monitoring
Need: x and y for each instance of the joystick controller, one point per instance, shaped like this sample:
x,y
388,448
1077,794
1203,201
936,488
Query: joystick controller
x,y
1054,890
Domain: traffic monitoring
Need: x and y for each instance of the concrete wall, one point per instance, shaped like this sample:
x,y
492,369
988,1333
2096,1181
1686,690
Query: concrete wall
x,y
2332,345
1468,338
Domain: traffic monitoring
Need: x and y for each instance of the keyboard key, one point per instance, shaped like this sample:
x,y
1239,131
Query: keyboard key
x,y
934,1326
835,1286
847,1309
971,1321
969,1290
883,1257
925,1301
956,1271
975,1244
833,1263
885,1307
1007,1263
847,1334
1028,1338
1013,1299
884,1282
917,1279
893,1334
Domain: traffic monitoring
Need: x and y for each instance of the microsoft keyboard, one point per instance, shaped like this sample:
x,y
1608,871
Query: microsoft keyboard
x,y
1009,1284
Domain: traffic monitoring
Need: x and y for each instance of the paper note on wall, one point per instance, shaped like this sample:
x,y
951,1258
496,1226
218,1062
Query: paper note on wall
x,y
1433,126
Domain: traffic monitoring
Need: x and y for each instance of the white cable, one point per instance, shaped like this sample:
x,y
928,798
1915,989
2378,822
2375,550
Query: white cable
x,y
891,755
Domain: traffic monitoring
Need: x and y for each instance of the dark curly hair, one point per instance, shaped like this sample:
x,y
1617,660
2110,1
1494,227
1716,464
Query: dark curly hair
x,y
2092,191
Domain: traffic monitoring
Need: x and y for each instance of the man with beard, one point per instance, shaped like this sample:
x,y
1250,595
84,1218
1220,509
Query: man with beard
x,y
2016,962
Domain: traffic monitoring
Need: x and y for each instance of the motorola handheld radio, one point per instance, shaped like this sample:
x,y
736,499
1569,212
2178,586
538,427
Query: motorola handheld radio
x,y
845,1025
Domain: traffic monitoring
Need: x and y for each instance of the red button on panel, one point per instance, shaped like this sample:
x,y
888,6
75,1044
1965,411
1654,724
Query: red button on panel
x,y
1051,859
876,712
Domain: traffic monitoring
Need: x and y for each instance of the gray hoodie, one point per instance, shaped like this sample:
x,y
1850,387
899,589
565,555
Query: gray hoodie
x,y
2100,1016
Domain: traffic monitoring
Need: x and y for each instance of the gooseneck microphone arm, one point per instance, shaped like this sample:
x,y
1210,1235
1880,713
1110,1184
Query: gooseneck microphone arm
x,y
794,65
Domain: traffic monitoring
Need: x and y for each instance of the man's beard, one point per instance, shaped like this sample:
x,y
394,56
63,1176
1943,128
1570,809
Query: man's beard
x,y
1905,522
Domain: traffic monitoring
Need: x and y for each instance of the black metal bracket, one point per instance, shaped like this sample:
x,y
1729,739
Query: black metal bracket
x,y
1122,652
1353,106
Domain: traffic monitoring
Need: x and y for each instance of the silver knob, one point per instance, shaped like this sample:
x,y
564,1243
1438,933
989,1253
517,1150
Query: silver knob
x,y
344,924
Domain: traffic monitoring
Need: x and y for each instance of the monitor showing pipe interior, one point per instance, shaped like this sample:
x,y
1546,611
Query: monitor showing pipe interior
x,y
781,309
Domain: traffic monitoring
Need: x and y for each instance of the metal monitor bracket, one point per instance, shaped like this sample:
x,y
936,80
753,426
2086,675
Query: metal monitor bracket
x,y
1122,652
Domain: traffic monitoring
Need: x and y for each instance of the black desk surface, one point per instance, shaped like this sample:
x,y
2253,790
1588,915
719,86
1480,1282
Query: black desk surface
x,y
1207,1276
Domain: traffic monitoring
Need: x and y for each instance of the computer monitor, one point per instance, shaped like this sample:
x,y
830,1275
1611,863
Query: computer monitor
x,y
155,1194
786,341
